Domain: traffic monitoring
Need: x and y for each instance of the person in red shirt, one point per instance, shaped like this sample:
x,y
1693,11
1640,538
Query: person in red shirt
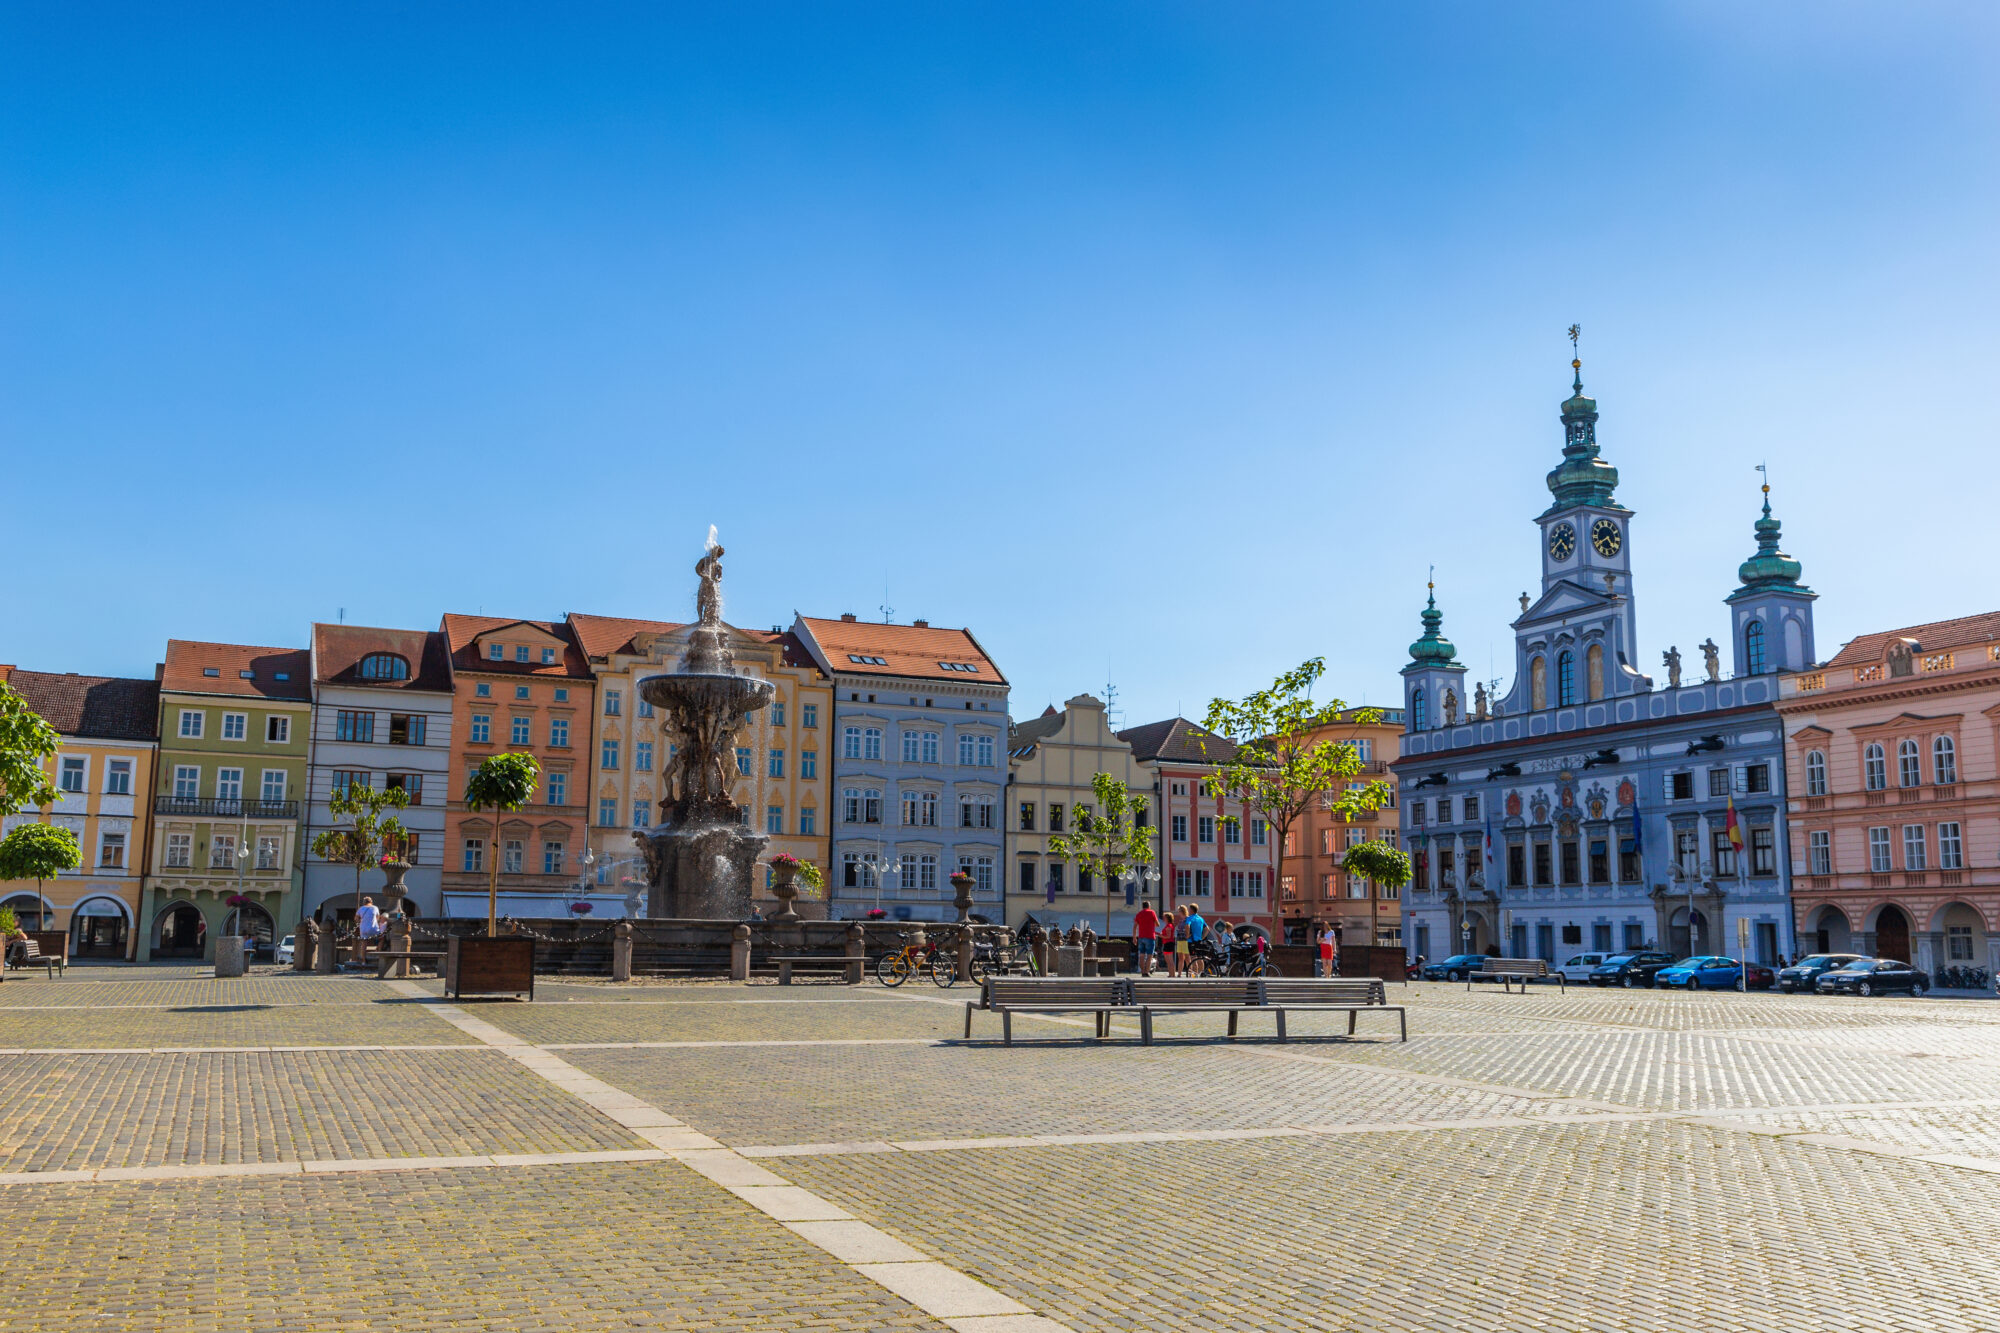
x,y
1145,937
1166,943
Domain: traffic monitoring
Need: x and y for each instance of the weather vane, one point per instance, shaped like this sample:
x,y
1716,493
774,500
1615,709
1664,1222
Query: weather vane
x,y
1767,477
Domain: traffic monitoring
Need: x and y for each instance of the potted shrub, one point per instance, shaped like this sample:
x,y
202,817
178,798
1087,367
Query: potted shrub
x,y
495,964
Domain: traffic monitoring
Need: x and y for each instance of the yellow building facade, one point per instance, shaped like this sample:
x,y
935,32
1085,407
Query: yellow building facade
x,y
103,773
782,759
1052,761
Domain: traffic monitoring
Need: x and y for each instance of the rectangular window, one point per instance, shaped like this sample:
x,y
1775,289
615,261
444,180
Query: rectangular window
x,y
931,743
1718,782
871,744
1687,851
1517,864
191,720
645,708
1680,786
642,814
496,652
482,728
608,755
118,778
520,734
743,758
607,812
1600,936
778,713
72,777
1958,943
1572,872
345,779
850,743
1201,883
235,726
1724,852
1472,809
277,730
274,785
965,812
411,784
187,782
552,857
558,789
642,756
613,702
910,747
180,850
1544,870
1878,851
1915,846
1417,813
475,855
548,656
1027,817
406,728
1178,823
482,690
353,726
511,853
267,852
221,851
1055,816
1600,861
1757,778
1763,851
774,819
1259,833
1951,848
1206,828
558,733
774,764
808,715
965,751
228,784
808,764
1232,832
1819,852
986,752
111,851
808,820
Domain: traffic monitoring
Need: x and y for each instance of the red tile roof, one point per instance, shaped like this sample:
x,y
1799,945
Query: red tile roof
x,y
1935,637
462,633
1179,741
188,664
115,708
905,650
602,636
338,650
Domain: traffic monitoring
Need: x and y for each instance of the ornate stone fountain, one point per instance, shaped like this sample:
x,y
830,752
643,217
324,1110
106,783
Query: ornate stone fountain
x,y
701,859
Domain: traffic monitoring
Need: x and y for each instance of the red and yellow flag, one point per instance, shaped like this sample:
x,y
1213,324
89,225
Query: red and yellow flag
x,y
1735,829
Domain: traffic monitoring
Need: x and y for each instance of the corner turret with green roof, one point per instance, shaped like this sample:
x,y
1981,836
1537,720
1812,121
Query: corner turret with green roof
x,y
1433,682
1771,613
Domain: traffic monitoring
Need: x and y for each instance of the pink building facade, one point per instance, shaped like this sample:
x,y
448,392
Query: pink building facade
x,y
1892,753
1213,852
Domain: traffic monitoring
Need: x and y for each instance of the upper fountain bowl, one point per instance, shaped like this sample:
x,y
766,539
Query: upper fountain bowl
x,y
707,694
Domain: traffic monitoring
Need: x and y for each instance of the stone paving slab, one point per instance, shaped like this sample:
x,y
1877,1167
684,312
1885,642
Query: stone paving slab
x,y
789,1020
1639,1226
76,1111
380,1022
583,1248
839,1094
1702,1010
139,986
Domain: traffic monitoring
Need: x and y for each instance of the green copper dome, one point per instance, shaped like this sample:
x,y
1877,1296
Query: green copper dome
x,y
1770,567
1433,649
1582,478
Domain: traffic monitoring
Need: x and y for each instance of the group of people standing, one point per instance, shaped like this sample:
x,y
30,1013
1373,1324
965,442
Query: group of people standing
x,y
1183,940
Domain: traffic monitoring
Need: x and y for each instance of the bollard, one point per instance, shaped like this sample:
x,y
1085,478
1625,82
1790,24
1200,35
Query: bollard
x,y
857,953
323,955
305,943
399,942
739,954
965,952
621,951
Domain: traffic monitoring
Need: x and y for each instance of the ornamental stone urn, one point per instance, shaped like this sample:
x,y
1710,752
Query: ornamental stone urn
x,y
783,888
392,883
961,885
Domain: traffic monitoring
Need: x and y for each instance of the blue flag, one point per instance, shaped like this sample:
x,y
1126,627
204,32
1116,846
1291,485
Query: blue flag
x,y
1052,888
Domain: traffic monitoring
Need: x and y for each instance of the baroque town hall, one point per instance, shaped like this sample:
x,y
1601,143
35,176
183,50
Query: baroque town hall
x,y
1589,808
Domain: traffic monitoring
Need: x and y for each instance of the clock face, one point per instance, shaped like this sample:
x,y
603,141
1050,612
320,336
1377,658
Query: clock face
x,y
1604,536
1562,541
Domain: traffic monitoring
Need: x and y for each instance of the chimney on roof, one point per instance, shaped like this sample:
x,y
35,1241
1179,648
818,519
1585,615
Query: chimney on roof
x,y
920,624
847,617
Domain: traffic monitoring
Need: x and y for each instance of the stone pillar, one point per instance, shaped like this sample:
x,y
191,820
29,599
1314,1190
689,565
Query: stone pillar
x,y
229,956
399,942
323,959
739,954
857,952
965,946
621,951
1069,960
305,945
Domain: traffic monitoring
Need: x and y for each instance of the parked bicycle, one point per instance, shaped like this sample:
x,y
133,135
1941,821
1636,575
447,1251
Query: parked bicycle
x,y
912,959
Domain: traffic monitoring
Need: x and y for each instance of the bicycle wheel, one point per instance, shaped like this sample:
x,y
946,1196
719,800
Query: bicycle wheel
x,y
892,969
982,968
1271,970
944,968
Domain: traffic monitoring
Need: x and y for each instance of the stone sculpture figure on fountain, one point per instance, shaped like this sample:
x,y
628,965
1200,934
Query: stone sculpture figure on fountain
x,y
700,860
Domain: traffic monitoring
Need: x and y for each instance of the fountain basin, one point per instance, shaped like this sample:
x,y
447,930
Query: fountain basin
x,y
704,694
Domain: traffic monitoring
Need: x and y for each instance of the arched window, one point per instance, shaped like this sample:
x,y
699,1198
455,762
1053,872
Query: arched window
x,y
1874,768
1753,647
1816,774
384,666
1944,761
1419,717
1538,683
1565,678
1909,772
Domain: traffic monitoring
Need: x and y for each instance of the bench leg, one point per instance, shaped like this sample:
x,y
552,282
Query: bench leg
x,y
968,1020
784,974
1403,1021
1232,1024
1145,1027
1006,1027
1281,1025
1351,1016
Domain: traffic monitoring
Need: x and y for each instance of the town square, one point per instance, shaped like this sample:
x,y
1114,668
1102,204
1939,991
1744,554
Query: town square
x,y
1008,669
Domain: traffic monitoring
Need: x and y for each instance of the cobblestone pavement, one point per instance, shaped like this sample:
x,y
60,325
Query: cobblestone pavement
x,y
827,1158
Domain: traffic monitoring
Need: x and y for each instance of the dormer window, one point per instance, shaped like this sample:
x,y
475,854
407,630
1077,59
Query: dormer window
x,y
966,667
496,652
520,652
211,671
548,656
246,675
863,659
384,666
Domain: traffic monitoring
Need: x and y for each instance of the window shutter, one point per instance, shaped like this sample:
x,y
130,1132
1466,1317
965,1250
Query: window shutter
x,y
1740,778
1668,794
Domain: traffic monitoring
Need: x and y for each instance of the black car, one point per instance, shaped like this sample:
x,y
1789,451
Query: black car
x,y
1454,968
1630,969
1804,974
1873,976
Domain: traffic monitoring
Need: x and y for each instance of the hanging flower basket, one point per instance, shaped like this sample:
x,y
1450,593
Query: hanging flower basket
x,y
582,909
238,900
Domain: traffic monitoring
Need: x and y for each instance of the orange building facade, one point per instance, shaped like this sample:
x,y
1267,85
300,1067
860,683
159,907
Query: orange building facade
x,y
1892,758
519,686
1313,891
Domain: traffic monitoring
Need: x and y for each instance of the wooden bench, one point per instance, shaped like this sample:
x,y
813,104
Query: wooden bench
x,y
28,953
1511,970
1191,995
1007,996
389,957
1354,995
849,967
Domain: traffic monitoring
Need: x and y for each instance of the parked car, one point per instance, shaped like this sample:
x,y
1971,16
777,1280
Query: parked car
x,y
1454,968
285,949
1701,972
1630,969
1805,973
1581,966
1873,976
1761,977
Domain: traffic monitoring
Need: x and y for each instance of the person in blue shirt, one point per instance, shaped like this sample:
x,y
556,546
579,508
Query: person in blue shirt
x,y
1194,928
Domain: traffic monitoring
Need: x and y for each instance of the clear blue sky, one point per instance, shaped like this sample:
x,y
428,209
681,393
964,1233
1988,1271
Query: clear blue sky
x,y
1166,344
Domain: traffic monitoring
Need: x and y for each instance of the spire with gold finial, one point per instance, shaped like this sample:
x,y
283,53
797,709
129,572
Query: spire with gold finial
x,y
1769,567
1433,649
1582,478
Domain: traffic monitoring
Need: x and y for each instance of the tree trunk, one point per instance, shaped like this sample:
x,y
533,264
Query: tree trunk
x,y
493,879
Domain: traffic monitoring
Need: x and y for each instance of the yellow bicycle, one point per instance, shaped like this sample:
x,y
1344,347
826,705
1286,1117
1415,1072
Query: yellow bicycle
x,y
899,965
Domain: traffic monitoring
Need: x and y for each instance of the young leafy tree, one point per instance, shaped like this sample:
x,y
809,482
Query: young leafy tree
x,y
1377,860
1280,769
504,783
25,742
1106,840
368,834
38,852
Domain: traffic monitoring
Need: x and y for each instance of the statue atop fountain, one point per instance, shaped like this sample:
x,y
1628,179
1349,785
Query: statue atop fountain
x,y
701,859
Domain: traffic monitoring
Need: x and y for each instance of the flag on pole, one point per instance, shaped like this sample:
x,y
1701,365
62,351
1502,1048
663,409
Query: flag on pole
x,y
1735,829
1489,850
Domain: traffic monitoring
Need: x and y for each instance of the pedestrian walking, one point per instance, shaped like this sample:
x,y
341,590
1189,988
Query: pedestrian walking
x,y
1329,962
1197,931
1145,937
1175,942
